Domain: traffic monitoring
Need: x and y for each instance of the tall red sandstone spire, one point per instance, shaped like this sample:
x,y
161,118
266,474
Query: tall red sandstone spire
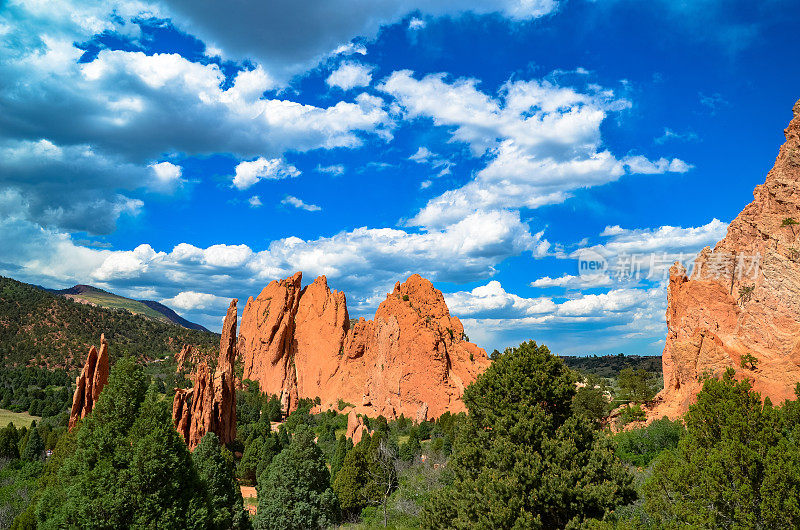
x,y
210,405
743,297
90,383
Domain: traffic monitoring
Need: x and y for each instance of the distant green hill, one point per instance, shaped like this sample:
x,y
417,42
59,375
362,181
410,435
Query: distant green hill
x,y
45,329
148,308
609,366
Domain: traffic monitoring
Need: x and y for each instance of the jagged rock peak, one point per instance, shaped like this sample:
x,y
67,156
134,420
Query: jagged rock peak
x,y
412,359
741,298
210,405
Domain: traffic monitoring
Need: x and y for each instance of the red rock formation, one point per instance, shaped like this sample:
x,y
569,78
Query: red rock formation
x,y
743,297
210,405
266,335
411,359
90,383
182,356
355,427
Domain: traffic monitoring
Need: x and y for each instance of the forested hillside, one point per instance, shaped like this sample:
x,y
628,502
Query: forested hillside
x,y
609,366
148,308
38,328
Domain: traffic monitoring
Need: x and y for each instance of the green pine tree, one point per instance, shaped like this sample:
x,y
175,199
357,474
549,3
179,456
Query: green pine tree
x,y
295,492
523,459
125,466
215,466
34,446
737,466
343,446
9,442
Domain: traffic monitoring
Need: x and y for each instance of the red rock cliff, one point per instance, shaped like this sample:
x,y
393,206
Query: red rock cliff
x,y
411,359
90,383
743,297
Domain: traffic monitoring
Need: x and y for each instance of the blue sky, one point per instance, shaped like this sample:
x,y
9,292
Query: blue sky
x,y
190,152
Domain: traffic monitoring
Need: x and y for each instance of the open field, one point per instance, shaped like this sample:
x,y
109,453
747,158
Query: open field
x,y
19,419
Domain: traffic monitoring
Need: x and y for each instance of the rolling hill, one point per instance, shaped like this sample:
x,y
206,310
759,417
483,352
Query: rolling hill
x,y
46,329
149,308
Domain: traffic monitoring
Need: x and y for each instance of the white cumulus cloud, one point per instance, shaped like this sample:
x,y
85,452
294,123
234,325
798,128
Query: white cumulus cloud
x,y
294,202
250,172
350,75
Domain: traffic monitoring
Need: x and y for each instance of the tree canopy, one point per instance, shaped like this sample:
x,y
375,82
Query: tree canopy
x,y
523,459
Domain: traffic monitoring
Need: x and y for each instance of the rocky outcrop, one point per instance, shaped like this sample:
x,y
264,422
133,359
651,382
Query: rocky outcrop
x,y
742,298
210,405
355,427
88,385
412,359
186,353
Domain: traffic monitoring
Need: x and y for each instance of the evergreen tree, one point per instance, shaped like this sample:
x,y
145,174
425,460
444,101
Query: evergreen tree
x,y
9,442
737,466
523,459
125,466
34,446
163,486
412,447
343,446
248,464
295,491
354,486
214,464
271,447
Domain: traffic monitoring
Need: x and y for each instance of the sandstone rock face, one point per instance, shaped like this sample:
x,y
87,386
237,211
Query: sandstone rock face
x,y
90,383
266,335
742,297
412,359
210,405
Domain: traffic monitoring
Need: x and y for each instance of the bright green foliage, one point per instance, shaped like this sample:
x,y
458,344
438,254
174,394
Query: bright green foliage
x,y
636,386
591,400
354,485
295,491
9,440
749,360
737,466
631,413
34,446
215,466
127,466
641,446
343,445
523,460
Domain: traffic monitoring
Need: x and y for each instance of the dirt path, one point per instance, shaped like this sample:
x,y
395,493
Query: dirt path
x,y
249,496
